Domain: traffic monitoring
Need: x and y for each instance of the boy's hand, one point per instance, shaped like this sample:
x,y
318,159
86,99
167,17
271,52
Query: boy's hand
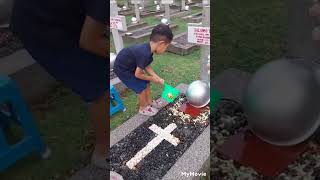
x,y
161,82
158,80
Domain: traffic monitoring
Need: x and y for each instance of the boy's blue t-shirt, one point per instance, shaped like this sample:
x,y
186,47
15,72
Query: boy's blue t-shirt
x,y
132,57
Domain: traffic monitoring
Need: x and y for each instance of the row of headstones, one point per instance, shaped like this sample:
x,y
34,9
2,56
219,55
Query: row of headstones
x,y
197,33
139,6
148,3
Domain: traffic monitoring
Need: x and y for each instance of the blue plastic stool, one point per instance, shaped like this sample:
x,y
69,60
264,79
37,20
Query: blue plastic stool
x,y
116,103
17,113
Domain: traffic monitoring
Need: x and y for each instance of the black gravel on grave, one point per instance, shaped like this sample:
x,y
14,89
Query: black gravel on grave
x,y
226,121
9,43
156,164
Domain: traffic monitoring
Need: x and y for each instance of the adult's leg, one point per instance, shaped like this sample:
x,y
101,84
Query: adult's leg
x,y
101,124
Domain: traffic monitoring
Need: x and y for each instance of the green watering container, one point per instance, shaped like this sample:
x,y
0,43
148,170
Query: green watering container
x,y
169,93
215,98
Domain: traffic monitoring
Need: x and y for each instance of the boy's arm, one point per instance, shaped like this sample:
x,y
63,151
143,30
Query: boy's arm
x,y
92,37
139,73
151,72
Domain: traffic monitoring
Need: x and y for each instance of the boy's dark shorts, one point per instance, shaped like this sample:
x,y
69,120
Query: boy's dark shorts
x,y
84,73
133,83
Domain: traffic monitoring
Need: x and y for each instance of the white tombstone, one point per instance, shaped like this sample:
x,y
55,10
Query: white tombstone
x,y
113,57
199,33
187,8
158,8
167,8
183,5
117,23
136,8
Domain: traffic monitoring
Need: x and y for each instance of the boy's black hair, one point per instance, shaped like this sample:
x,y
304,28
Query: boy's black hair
x,y
161,32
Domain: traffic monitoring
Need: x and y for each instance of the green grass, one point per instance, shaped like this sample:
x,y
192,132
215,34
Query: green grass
x,y
248,33
63,122
174,69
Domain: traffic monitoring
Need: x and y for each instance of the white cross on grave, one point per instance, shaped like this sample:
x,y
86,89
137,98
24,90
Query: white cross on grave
x,y
117,23
167,8
136,8
162,134
199,33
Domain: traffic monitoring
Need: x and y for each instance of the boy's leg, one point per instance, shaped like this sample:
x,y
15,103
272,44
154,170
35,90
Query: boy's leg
x,y
148,94
143,100
100,120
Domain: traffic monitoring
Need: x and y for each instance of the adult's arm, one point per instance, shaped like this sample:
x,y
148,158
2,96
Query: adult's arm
x,y
92,37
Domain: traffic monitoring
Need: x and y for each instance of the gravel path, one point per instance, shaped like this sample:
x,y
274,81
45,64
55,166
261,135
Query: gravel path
x,y
226,121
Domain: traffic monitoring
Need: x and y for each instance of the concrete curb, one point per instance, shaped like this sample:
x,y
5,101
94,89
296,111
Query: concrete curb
x,y
200,151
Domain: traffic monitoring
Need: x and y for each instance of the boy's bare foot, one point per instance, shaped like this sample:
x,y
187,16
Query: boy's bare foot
x,y
148,111
99,157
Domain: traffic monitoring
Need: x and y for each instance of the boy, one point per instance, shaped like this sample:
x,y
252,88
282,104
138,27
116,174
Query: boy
x,y
133,67
66,37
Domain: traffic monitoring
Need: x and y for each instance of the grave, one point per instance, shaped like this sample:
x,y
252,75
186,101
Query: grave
x,y
199,33
134,26
150,12
117,23
139,34
236,152
167,146
181,46
194,18
127,12
228,124
175,14
137,23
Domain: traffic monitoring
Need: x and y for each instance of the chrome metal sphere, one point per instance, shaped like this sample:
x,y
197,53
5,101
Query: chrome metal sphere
x,y
5,11
282,101
198,93
113,57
